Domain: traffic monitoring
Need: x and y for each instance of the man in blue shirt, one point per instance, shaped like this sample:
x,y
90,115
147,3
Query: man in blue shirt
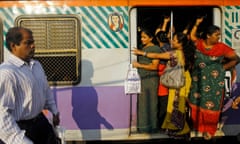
x,y
24,94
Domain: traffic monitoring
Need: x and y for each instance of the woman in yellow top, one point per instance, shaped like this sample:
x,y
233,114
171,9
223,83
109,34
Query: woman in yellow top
x,y
183,51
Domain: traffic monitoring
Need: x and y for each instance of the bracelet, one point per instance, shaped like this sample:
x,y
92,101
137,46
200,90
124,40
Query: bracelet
x,y
145,53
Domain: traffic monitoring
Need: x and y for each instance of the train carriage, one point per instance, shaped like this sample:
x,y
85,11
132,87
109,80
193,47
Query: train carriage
x,y
86,60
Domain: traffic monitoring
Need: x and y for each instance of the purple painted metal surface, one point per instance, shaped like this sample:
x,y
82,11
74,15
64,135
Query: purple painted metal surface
x,y
232,115
93,107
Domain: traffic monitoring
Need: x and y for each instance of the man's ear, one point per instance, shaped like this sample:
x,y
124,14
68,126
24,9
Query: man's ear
x,y
12,45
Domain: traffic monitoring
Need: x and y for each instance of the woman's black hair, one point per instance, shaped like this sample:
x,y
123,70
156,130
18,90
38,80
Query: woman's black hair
x,y
150,33
188,50
209,31
162,36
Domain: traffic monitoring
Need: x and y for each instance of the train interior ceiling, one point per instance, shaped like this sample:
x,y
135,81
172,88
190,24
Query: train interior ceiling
x,y
182,17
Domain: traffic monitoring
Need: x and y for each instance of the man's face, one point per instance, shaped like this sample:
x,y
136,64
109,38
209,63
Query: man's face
x,y
25,50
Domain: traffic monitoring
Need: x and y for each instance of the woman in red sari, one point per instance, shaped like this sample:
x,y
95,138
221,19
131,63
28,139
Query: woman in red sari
x,y
207,90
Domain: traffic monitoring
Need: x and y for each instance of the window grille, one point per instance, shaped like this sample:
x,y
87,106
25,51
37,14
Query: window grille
x,y
57,45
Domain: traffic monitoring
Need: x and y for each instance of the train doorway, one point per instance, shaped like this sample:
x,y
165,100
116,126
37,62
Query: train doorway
x,y
182,18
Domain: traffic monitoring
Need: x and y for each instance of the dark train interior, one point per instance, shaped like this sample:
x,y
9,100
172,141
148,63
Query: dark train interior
x,y
152,17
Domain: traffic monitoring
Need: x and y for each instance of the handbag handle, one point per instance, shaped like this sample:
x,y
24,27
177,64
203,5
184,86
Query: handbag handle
x,y
173,61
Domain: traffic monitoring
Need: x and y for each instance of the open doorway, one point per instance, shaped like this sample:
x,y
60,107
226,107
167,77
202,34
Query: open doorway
x,y
152,17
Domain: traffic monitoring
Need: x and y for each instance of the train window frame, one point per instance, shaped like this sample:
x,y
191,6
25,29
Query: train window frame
x,y
58,43
136,18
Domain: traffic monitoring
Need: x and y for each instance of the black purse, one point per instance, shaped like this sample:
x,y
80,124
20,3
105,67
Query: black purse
x,y
177,117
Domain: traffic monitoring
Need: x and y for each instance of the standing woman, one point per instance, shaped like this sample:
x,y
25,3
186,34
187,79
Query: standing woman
x,y
163,41
148,71
183,51
207,91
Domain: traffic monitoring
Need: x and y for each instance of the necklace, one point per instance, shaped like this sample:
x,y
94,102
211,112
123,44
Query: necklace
x,y
208,48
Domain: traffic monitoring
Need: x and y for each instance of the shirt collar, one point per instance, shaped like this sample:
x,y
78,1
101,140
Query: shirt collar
x,y
19,62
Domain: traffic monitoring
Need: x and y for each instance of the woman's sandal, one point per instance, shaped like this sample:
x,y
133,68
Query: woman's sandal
x,y
207,136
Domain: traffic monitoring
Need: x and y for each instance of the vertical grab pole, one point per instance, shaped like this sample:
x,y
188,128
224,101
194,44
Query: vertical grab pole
x,y
171,27
133,44
130,109
130,119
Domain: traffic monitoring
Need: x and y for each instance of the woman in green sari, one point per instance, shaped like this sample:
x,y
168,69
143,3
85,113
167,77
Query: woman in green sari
x,y
207,90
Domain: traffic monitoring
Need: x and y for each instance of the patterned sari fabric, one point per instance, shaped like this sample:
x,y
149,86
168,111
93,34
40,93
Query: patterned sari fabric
x,y
207,90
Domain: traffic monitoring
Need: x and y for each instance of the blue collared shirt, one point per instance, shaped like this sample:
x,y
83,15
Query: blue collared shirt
x,y
24,93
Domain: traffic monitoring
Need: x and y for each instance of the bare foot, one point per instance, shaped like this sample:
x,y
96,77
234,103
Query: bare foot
x,y
207,136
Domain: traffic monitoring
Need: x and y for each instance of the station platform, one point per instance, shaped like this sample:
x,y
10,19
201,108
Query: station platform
x,y
197,140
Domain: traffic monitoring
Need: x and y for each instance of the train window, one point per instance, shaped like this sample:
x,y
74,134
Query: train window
x,y
57,42
182,17
1,41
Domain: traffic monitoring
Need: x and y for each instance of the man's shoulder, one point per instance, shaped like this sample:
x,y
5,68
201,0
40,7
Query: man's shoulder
x,y
5,66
